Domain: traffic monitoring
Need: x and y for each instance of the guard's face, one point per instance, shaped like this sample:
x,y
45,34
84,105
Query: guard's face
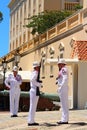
x,y
37,68
15,73
60,66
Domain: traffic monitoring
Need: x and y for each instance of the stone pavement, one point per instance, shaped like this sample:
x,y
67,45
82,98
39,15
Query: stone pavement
x,y
47,120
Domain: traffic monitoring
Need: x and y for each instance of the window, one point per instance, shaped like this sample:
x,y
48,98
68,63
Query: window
x,y
61,49
43,60
20,41
51,51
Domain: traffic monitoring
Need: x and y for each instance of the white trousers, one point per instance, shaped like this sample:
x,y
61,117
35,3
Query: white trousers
x,y
33,105
63,94
14,101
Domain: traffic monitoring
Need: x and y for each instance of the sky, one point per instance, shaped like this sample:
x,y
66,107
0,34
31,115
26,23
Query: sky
x,y
4,28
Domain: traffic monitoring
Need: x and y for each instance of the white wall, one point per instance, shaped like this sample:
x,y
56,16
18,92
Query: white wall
x,y
82,84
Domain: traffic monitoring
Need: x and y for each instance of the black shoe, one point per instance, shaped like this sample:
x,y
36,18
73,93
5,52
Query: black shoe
x,y
14,116
60,122
33,124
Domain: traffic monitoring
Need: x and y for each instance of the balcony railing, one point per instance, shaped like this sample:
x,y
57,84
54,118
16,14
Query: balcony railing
x,y
70,5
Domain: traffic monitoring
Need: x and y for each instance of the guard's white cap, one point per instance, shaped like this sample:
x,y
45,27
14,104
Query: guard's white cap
x,y
61,61
36,64
15,68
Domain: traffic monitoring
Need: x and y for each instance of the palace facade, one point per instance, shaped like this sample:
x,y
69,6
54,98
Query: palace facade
x,y
68,40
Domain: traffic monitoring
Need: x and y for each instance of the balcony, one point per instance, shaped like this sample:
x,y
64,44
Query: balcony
x,y
70,5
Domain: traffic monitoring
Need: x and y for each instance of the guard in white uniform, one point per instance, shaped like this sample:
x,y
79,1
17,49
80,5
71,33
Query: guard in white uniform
x,y
13,82
63,91
33,97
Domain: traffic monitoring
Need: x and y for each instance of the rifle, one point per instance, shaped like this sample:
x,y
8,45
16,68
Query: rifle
x,y
38,80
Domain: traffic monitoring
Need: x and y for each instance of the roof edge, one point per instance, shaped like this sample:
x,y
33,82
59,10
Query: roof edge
x,y
11,3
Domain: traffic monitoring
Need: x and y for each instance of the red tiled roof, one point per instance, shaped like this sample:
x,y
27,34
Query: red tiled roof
x,y
79,50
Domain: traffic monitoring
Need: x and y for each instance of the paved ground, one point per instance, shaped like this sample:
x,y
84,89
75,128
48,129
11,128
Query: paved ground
x,y
47,120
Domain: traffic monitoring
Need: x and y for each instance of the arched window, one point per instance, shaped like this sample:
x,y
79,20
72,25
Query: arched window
x,y
51,51
61,49
43,54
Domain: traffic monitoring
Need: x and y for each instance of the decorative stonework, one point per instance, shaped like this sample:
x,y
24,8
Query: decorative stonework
x,y
61,49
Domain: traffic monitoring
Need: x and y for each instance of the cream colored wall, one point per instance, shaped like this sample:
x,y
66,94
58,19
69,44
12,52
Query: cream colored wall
x,y
27,60
48,82
84,3
71,0
51,5
82,84
81,34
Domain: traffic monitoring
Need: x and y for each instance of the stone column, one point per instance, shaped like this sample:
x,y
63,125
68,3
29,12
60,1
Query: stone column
x,y
62,4
84,3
